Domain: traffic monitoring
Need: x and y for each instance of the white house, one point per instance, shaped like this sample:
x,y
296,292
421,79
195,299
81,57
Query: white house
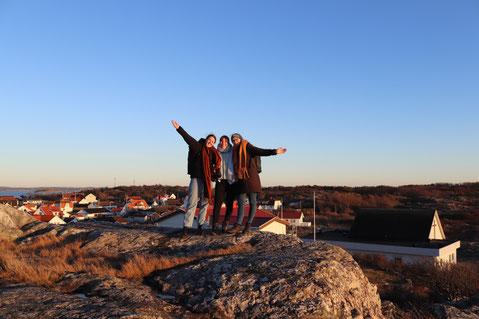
x,y
409,235
270,204
295,218
66,206
88,199
27,208
94,212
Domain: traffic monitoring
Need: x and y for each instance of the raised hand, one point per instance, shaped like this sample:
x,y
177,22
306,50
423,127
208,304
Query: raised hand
x,y
175,124
280,150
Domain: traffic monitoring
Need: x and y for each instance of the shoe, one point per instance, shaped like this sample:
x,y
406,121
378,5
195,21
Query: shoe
x,y
236,229
224,228
214,230
247,229
184,233
200,230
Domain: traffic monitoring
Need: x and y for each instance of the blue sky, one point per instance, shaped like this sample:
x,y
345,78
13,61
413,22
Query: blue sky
x,y
359,92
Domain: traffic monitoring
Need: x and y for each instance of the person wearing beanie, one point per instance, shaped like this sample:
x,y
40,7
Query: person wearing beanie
x,y
203,158
248,183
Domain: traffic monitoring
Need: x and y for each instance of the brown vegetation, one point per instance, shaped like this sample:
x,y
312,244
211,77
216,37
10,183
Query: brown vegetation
x,y
410,286
46,260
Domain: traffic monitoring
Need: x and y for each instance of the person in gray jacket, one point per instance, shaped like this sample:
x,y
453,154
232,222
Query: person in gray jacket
x,y
223,188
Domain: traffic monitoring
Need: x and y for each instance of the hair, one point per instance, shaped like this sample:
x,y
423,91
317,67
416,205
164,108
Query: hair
x,y
226,137
211,135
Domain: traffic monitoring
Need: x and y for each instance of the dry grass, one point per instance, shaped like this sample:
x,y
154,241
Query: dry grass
x,y
45,261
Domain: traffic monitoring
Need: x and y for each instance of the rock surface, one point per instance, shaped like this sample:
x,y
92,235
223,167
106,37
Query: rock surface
x,y
278,277
464,309
15,223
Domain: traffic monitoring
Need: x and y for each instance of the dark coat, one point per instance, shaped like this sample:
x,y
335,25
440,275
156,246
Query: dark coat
x,y
195,156
253,183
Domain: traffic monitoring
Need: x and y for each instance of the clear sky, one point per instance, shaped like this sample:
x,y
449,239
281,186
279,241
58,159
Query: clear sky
x,y
359,92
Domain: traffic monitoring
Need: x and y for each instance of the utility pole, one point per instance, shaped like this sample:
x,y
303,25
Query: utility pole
x,y
314,215
281,208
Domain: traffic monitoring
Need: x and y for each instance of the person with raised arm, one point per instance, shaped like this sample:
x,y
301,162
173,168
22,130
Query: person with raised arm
x,y
248,184
203,158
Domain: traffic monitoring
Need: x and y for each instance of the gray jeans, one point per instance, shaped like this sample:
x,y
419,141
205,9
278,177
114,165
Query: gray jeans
x,y
195,192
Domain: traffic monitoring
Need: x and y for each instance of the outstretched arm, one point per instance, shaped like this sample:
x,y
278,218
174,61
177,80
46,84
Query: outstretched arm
x,y
188,139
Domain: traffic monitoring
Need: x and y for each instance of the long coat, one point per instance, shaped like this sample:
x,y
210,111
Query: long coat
x,y
253,183
195,159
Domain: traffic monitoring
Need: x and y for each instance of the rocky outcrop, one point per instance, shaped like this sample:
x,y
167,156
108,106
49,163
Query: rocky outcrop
x,y
15,223
271,277
279,277
463,309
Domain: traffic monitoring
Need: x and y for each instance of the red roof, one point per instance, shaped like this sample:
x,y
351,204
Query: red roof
x,y
290,215
43,218
51,210
7,197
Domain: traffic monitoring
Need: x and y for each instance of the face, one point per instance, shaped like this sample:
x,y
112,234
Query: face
x,y
236,140
224,142
210,142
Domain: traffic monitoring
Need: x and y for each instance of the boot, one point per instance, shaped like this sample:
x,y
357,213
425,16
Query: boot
x,y
236,229
184,233
200,230
224,228
247,229
214,230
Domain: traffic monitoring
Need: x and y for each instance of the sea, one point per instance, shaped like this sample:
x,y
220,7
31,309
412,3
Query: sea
x,y
15,193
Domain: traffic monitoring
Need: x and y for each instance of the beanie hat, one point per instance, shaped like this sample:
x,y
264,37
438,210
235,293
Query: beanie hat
x,y
236,135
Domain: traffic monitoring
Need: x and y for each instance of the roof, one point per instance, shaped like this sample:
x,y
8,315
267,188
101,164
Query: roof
x,y
392,224
43,218
113,219
7,197
51,210
290,215
95,210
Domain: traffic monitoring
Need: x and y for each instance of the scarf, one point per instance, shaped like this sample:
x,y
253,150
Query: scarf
x,y
241,168
227,166
207,169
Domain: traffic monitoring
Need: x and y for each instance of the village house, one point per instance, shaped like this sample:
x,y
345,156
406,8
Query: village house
x,y
9,200
74,197
263,221
408,235
93,212
35,202
270,204
50,219
27,208
134,203
88,199
295,218
66,206
48,211
113,219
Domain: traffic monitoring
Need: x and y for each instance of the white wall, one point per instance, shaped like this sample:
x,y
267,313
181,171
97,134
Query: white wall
x,y
276,228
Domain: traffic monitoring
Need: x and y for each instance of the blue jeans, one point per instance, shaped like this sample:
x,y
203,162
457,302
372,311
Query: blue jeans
x,y
195,191
241,207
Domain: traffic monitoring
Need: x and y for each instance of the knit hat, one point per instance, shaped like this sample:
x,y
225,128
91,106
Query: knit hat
x,y
236,135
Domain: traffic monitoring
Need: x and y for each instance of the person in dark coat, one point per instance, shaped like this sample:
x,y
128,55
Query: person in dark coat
x,y
249,183
203,158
